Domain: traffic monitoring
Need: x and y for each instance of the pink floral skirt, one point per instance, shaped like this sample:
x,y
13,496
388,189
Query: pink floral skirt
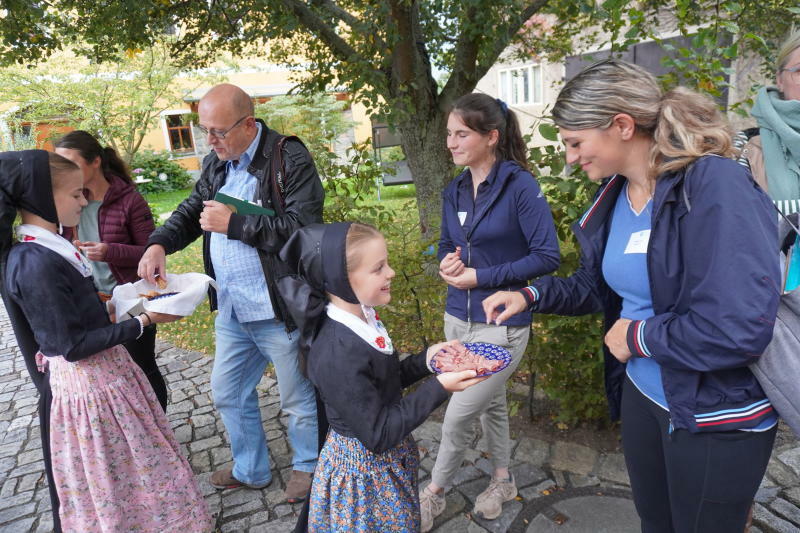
x,y
116,463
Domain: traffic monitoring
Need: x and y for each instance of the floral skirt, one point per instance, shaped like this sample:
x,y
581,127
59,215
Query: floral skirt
x,y
355,490
116,463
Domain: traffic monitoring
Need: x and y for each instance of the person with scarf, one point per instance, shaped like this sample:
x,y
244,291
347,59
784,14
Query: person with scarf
x,y
772,150
366,476
112,461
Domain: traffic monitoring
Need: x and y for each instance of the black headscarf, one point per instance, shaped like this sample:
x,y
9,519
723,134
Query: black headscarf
x,y
317,259
24,183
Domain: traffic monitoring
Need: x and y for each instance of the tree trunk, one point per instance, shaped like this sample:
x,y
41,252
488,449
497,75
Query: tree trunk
x,y
425,146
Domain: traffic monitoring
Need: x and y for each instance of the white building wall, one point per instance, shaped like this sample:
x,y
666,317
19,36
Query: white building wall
x,y
529,114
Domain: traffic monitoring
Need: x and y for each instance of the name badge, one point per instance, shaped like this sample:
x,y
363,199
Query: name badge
x,y
462,216
638,242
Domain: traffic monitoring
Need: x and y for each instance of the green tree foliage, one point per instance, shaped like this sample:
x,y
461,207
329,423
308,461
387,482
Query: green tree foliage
x,y
382,52
118,101
318,119
385,52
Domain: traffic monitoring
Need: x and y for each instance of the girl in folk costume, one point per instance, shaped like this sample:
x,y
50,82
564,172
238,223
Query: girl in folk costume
x,y
366,477
112,461
113,233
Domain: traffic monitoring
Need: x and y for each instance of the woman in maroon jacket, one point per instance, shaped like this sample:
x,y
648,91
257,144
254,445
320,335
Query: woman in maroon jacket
x,y
113,232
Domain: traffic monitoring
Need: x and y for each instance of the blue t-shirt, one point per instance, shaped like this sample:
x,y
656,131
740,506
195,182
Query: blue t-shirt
x,y
625,271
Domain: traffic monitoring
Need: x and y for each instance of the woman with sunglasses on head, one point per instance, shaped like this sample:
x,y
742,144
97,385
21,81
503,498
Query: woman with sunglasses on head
x,y
678,251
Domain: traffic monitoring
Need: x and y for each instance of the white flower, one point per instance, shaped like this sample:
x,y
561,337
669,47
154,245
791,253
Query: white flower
x,y
162,177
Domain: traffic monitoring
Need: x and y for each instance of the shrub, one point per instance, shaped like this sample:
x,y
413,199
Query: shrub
x,y
350,185
415,316
164,173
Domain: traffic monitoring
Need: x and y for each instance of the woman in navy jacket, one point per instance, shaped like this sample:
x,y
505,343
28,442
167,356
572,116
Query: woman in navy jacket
x,y
497,233
679,250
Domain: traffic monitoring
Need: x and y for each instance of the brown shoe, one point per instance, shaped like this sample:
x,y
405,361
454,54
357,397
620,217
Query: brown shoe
x,y
298,487
223,479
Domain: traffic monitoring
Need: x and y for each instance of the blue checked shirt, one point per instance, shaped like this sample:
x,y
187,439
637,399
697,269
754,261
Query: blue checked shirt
x,y
240,277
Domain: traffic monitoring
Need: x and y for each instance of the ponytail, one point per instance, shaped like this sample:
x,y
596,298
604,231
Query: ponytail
x,y
89,148
483,114
513,148
113,163
689,126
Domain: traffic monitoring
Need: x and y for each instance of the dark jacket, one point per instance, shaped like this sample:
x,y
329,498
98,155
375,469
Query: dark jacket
x,y
511,239
362,388
45,287
125,223
714,281
303,201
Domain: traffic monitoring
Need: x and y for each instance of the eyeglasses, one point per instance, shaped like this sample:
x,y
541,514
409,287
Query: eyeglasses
x,y
794,73
220,134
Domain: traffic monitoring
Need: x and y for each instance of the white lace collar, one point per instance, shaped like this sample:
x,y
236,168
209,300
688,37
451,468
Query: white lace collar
x,y
57,243
372,331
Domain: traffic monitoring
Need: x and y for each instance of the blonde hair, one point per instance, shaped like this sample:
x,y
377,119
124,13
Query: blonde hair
x,y
684,124
357,234
59,168
791,44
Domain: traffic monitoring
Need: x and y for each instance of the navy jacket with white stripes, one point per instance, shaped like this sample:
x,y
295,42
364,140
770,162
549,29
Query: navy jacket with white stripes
x,y
714,279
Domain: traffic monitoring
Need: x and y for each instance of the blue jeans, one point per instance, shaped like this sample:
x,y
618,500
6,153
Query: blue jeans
x,y
243,351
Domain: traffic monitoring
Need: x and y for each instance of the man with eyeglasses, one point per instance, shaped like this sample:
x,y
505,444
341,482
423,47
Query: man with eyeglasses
x,y
252,327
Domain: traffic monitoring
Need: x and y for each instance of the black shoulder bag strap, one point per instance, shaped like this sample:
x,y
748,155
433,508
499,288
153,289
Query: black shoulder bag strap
x,y
278,168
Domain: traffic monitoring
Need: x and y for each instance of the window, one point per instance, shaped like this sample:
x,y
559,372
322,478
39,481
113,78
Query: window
x,y
521,85
179,133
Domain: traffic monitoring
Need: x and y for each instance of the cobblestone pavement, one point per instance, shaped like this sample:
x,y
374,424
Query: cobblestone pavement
x,y
564,487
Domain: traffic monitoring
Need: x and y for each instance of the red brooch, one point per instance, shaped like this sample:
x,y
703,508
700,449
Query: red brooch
x,y
28,238
376,316
381,342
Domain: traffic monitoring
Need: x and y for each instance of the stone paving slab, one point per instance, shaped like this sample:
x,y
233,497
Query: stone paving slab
x,y
563,486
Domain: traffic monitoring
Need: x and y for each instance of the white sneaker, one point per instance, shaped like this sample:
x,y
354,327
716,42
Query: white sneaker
x,y
489,503
430,505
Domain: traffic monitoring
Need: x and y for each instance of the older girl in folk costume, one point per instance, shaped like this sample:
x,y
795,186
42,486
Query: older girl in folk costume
x,y
111,455
366,477
497,233
113,233
679,252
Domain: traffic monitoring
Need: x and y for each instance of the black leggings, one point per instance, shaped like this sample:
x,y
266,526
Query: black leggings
x,y
143,353
689,482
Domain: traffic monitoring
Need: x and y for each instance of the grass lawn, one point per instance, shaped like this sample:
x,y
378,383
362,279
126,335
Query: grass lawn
x,y
162,203
197,331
